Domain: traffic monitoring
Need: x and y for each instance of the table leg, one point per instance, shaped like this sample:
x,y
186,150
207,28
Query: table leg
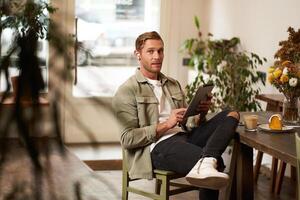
x,y
273,173
257,165
280,177
231,188
244,168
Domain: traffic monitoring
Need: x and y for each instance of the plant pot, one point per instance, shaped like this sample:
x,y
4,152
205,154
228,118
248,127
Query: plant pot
x,y
25,94
14,83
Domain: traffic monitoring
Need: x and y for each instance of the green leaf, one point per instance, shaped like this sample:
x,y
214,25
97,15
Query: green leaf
x,y
196,20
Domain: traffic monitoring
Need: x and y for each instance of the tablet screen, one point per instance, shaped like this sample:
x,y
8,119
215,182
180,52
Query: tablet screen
x,y
201,95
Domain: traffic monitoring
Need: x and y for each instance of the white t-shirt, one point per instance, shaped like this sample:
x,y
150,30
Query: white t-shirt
x,y
164,109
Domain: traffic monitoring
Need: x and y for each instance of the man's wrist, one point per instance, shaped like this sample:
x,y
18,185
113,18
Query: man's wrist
x,y
161,128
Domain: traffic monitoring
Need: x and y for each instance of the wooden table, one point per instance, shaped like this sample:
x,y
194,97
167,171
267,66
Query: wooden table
x,y
274,103
280,145
64,175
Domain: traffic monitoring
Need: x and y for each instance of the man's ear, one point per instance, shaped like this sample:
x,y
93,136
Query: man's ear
x,y
138,55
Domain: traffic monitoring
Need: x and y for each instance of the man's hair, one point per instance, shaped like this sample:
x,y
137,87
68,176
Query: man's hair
x,y
140,41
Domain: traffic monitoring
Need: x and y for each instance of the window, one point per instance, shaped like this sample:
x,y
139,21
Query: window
x,y
7,38
106,33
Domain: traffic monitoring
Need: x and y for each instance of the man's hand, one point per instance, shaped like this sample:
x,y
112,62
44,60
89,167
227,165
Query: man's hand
x,y
175,117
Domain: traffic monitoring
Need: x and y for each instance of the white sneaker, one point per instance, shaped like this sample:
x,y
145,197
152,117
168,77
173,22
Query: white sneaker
x,y
204,174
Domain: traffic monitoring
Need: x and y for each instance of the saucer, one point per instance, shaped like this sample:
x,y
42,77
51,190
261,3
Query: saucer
x,y
265,127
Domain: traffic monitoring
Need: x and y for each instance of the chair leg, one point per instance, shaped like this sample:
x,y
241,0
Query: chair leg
x,y
273,173
257,166
295,181
164,187
157,186
125,184
280,177
276,181
293,174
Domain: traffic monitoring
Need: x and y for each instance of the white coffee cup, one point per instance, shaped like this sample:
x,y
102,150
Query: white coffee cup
x,y
250,122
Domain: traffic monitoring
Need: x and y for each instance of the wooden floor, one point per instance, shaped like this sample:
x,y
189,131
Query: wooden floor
x,y
112,186
112,179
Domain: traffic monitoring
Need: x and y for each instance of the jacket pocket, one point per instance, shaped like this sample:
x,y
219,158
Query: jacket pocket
x,y
178,100
147,108
177,97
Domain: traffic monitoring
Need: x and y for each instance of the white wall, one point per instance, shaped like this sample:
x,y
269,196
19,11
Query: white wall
x,y
177,24
260,24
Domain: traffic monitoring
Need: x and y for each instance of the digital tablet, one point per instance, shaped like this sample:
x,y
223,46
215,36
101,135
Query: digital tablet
x,y
201,95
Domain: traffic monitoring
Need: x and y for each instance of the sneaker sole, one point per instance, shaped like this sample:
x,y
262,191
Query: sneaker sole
x,y
214,183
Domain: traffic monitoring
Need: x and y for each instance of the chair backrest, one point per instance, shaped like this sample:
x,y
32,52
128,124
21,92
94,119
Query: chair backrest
x,y
298,161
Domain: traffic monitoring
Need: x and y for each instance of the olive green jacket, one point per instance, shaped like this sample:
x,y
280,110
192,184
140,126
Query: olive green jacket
x,y
136,109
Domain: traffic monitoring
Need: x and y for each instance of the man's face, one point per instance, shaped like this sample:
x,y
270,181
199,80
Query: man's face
x,y
151,57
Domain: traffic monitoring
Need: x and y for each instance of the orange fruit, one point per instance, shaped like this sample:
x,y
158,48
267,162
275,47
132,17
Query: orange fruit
x,y
275,122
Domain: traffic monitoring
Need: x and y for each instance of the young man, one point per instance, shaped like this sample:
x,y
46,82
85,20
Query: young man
x,y
149,107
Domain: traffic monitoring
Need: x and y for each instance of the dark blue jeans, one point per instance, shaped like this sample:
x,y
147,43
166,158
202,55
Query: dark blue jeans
x,y
181,152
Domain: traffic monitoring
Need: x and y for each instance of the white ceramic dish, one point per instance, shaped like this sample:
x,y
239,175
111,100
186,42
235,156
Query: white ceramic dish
x,y
265,127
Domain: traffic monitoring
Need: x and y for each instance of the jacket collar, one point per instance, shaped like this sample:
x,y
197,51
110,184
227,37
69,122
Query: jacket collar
x,y
141,78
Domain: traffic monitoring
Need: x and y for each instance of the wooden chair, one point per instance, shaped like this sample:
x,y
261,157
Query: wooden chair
x,y
163,181
298,161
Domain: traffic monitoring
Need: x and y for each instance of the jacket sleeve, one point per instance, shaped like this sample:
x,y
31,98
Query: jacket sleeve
x,y
125,108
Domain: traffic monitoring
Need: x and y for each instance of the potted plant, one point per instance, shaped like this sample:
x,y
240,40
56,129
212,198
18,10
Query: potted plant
x,y
225,64
29,21
31,24
285,75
